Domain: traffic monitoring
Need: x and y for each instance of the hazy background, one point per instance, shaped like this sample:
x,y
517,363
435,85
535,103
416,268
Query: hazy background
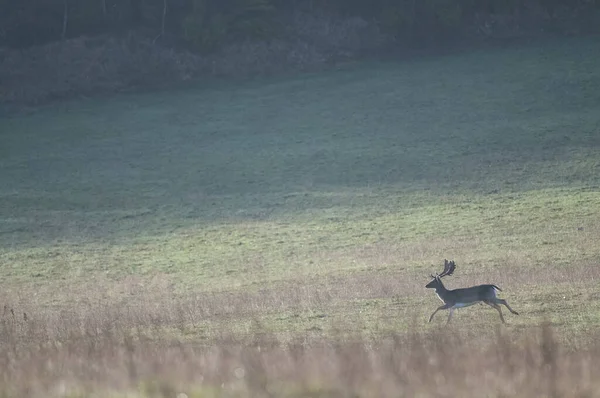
x,y
64,48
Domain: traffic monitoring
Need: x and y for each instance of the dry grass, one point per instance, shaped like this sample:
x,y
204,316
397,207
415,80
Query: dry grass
x,y
353,335
113,352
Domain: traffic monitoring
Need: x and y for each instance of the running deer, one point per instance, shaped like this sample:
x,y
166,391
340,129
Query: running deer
x,y
458,298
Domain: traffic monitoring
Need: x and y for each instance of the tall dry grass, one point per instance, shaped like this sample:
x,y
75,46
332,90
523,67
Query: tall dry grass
x,y
150,352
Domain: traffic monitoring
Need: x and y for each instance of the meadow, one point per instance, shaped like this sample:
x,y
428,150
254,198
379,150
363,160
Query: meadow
x,y
273,237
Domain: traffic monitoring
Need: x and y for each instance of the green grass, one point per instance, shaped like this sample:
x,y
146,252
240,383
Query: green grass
x,y
354,183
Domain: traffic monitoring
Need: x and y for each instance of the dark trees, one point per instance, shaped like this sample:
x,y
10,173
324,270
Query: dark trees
x,y
208,24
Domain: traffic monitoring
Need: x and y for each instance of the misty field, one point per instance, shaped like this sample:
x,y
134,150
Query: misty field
x,y
272,238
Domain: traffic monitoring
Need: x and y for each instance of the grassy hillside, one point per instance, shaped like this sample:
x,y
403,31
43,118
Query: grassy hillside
x,y
305,206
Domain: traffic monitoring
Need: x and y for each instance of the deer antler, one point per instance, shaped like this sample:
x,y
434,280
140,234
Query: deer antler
x,y
449,267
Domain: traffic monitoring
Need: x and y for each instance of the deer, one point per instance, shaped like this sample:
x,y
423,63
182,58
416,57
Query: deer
x,y
465,297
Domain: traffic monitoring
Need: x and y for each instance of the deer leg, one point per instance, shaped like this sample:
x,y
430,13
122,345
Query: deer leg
x,y
497,307
450,315
503,302
441,307
435,312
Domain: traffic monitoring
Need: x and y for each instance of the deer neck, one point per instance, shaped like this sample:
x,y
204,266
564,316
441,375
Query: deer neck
x,y
441,291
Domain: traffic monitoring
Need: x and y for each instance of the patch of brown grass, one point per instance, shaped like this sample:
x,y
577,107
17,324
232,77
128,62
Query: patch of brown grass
x,y
160,346
114,352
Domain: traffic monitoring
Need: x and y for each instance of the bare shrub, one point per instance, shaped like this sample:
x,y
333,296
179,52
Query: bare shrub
x,y
265,58
536,19
337,36
86,66
308,43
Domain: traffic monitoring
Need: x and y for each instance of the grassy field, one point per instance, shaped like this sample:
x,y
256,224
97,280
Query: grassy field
x,y
308,211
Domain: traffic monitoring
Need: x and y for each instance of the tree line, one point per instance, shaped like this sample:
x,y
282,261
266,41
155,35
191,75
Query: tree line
x,y
208,24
